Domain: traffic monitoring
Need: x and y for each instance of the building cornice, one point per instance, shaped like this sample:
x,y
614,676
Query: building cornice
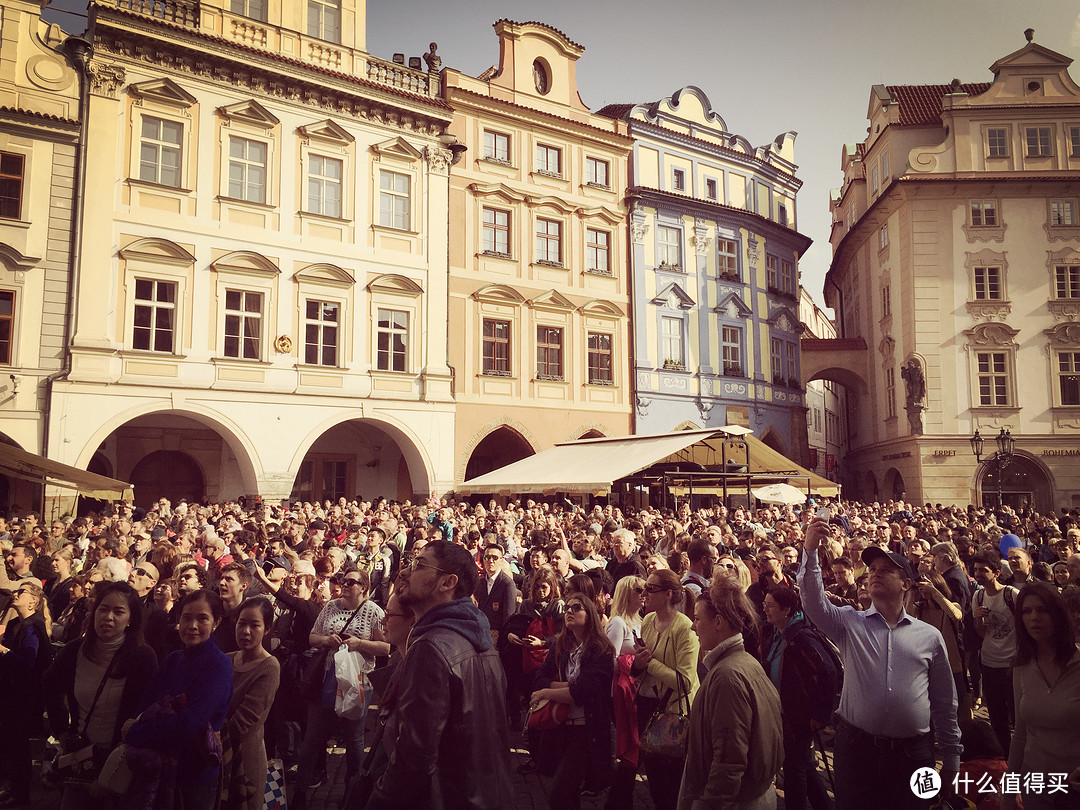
x,y
695,206
135,38
37,123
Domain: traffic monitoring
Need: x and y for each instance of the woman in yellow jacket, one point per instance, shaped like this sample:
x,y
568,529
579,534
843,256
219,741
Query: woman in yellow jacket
x,y
666,666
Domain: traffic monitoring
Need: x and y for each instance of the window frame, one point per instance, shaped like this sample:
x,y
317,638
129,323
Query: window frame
x,y
890,393
491,151
995,381
247,163
732,356
591,165
245,8
672,340
712,189
787,277
1074,141
321,345
549,238
545,155
594,250
155,305
664,247
322,28
495,229
7,321
883,237
550,354
984,279
678,179
596,372
1058,209
997,147
311,175
1069,281
243,316
21,179
1042,147
500,348
159,143
387,359
983,214
886,300
395,196
772,272
725,257
1063,376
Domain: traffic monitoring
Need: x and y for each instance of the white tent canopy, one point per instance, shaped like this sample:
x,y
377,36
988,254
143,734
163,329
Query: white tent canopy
x,y
591,466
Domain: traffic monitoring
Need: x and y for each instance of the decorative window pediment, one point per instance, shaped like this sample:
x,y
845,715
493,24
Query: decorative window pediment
x,y
499,294
732,306
598,306
887,347
323,273
326,131
14,260
674,297
785,320
609,215
1064,334
550,202
499,190
397,148
992,334
551,299
157,250
250,112
395,285
164,91
247,262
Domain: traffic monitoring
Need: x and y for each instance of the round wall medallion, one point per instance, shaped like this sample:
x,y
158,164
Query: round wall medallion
x,y
283,344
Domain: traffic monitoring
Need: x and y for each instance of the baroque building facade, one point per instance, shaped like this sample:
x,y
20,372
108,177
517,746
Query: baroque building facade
x,y
262,294
956,240
826,401
538,293
39,133
715,272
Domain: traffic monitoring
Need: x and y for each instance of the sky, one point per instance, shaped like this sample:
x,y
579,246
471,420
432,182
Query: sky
x,y
767,66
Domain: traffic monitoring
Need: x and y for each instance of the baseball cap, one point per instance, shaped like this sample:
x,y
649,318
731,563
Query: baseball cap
x,y
874,552
303,567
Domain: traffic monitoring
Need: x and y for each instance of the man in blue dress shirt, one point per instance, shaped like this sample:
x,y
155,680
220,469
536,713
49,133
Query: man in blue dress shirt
x,y
897,686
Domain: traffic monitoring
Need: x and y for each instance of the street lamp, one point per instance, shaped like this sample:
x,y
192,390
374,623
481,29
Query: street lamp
x,y
1001,459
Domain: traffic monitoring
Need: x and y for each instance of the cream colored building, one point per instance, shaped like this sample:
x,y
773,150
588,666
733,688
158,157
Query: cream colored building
x,y
538,268
39,114
262,294
956,243
826,401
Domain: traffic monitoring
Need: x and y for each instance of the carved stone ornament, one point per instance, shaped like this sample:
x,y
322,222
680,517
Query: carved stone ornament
x,y
283,344
886,346
439,159
992,334
638,231
105,80
1064,310
989,310
700,241
1064,334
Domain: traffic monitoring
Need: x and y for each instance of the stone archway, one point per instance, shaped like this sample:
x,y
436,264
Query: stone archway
x,y
1023,483
167,474
502,446
893,484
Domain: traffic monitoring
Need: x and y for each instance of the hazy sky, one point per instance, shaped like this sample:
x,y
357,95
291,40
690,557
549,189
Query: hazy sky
x,y
766,66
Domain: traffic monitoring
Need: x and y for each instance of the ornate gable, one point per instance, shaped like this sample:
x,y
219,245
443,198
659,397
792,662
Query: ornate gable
x,y
247,262
396,284
326,131
785,320
250,112
157,250
397,148
164,91
732,306
498,294
324,273
551,299
673,297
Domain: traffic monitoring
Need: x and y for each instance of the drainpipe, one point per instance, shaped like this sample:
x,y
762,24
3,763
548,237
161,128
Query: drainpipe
x,y
78,52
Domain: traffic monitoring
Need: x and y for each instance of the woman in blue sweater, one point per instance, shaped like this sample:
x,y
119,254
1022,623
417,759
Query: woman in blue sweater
x,y
186,702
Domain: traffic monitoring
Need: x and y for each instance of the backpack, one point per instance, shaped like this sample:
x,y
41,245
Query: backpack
x,y
829,676
1010,599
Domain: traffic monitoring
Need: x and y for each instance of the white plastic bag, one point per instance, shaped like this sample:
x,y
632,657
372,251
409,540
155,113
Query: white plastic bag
x,y
349,668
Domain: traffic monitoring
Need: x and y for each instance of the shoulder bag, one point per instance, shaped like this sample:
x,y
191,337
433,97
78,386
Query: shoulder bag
x,y
666,732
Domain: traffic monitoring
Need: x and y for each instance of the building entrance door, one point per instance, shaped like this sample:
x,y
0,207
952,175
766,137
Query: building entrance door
x,y
1022,484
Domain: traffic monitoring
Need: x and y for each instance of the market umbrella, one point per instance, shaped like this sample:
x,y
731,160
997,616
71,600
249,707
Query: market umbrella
x,y
783,494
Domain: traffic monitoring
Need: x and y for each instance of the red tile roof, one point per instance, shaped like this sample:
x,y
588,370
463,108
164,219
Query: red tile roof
x,y
34,114
920,104
615,110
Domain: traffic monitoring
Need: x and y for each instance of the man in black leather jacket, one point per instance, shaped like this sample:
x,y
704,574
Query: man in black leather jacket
x,y
451,747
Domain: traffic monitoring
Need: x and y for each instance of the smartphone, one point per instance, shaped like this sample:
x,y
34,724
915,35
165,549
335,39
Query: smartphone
x,y
824,513
637,641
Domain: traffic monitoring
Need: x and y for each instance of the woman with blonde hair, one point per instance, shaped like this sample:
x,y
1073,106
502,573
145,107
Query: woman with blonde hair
x,y
625,621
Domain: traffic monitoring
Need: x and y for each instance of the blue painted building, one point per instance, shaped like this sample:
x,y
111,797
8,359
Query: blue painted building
x,y
714,258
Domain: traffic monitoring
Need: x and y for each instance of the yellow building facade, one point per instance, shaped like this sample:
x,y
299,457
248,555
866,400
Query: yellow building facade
x,y
539,293
263,287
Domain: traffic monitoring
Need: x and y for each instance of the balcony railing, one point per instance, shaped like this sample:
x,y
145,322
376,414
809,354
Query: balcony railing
x,y
181,12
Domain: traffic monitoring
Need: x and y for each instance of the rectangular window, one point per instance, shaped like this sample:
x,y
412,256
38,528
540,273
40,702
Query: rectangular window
x,y
159,151
776,359
496,231
597,252
993,378
669,247
890,393
678,180
496,146
496,348
1074,141
549,160
728,252
600,367
392,331
886,301
549,241
884,167
243,324
671,341
731,349
324,186
321,324
596,172
787,277
549,353
1067,281
11,185
984,213
874,184
324,20
988,284
883,237
997,142
1069,377
155,315
710,189
7,325
256,9
1038,141
781,214
1063,212
394,200
772,272
792,365
247,170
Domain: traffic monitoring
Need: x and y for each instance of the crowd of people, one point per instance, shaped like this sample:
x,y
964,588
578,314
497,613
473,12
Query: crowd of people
x,y
168,653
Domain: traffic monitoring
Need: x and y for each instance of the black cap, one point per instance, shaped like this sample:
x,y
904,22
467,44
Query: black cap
x,y
875,552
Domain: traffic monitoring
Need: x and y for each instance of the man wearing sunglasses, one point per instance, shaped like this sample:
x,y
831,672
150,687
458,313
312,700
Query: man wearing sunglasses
x,y
451,746
495,593
770,575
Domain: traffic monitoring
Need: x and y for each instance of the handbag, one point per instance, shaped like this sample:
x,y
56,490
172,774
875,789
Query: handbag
x,y
73,758
666,732
115,775
546,715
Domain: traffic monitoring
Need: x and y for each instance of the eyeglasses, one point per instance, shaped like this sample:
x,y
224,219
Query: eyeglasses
x,y
492,557
573,607
654,588
348,583
764,561
638,591
726,565
420,563
388,614
142,572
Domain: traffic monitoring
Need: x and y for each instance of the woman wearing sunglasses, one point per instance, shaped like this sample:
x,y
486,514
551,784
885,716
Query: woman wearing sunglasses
x,y
578,671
